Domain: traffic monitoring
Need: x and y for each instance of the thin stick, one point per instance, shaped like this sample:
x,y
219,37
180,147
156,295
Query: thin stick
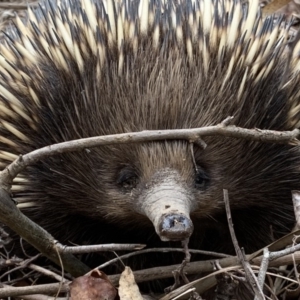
x,y
250,276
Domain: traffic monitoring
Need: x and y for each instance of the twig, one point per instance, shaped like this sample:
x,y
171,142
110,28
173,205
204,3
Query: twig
x,y
28,290
11,171
45,272
263,268
179,272
125,256
100,248
227,121
250,276
21,265
278,254
294,263
203,267
296,203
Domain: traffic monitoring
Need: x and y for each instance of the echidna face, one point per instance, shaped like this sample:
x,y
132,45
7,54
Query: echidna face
x,y
159,182
161,187
145,182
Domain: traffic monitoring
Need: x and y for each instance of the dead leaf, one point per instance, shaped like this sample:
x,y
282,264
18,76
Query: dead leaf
x,y
94,286
128,289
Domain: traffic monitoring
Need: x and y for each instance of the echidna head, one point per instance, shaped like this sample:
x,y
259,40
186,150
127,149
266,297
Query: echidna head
x,y
160,182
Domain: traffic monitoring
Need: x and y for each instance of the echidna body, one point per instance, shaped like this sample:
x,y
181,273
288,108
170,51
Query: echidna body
x,y
80,69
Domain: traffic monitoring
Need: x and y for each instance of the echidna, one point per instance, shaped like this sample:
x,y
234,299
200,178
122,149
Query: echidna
x,y
78,69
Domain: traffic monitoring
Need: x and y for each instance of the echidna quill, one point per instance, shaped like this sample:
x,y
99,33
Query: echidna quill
x,y
87,68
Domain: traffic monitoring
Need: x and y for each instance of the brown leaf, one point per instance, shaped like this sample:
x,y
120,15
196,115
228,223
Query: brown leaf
x,y
94,286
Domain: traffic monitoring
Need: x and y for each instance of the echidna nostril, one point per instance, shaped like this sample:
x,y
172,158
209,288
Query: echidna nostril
x,y
176,227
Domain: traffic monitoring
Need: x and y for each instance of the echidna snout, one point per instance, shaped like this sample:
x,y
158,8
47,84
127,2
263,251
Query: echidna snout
x,y
168,205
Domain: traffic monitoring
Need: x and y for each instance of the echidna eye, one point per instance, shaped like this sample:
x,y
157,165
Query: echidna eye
x,y
127,178
201,178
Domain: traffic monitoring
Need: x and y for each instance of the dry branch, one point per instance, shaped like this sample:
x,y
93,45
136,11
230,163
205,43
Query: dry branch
x,y
191,135
101,248
37,236
251,278
28,290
